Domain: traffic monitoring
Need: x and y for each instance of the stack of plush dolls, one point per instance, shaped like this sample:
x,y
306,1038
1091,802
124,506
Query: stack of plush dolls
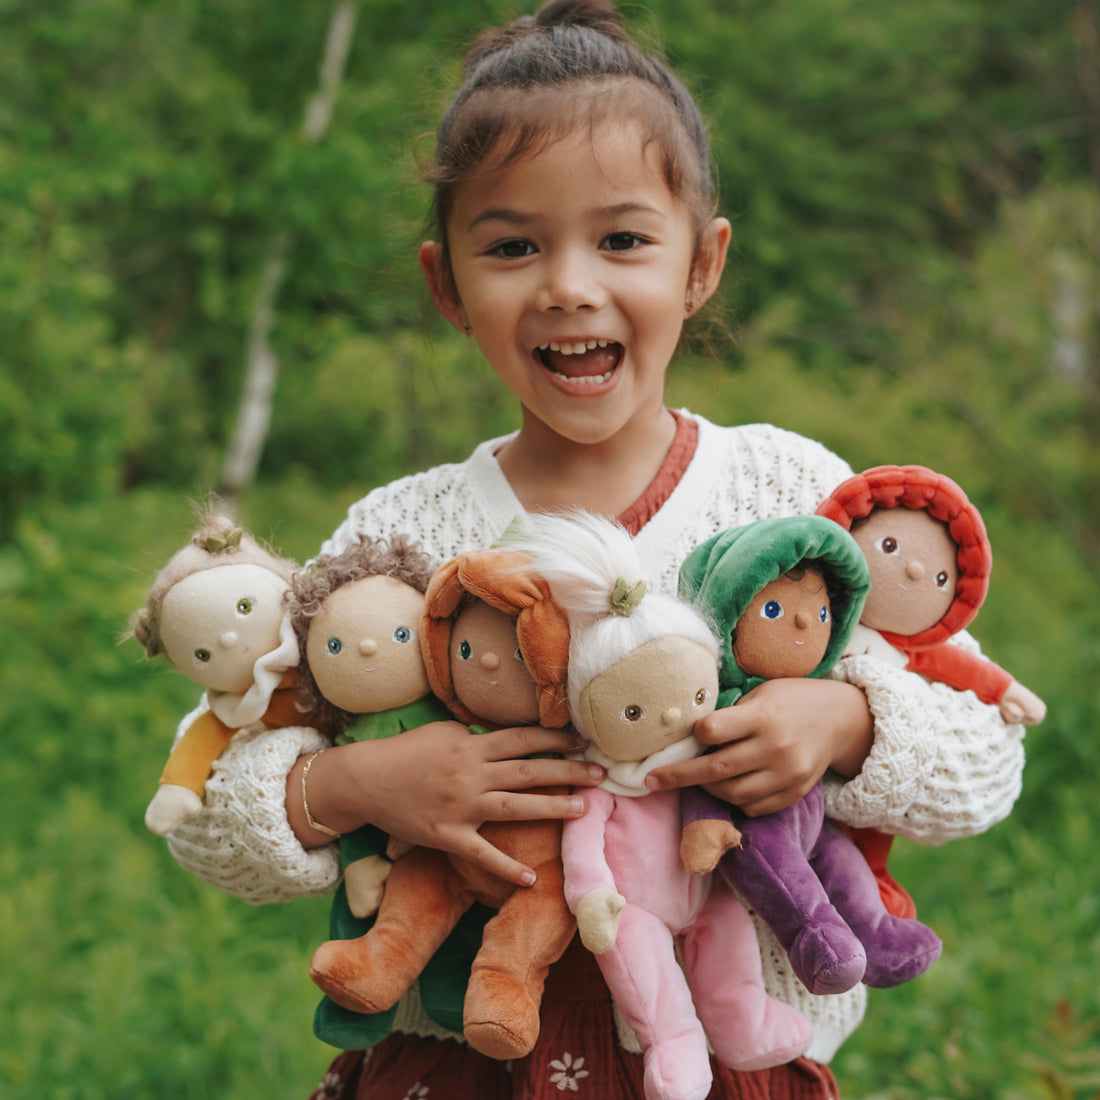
x,y
555,626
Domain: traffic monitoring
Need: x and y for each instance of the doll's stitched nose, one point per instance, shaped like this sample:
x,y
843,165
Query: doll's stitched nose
x,y
368,647
914,570
670,716
229,638
800,620
490,660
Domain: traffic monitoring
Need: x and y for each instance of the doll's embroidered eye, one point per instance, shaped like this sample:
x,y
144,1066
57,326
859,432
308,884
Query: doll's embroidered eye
x,y
334,646
823,615
518,656
701,696
941,580
464,650
632,713
402,634
244,607
887,545
202,655
773,609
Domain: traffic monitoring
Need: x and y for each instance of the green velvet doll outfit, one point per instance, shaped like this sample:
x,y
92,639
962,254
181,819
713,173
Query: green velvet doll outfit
x,y
442,983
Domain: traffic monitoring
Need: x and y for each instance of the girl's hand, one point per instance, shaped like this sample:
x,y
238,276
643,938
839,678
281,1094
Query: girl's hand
x,y
776,743
436,785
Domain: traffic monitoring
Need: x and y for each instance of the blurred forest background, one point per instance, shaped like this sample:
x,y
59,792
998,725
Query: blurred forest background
x,y
915,191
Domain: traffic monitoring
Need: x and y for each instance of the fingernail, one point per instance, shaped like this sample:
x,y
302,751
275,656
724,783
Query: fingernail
x,y
595,771
577,806
652,783
528,878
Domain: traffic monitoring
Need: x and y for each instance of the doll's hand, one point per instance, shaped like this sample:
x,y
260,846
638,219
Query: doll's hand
x,y
1019,704
437,785
363,881
598,918
704,842
171,806
776,743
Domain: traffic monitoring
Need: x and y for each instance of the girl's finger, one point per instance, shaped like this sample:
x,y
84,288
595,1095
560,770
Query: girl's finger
x,y
480,852
507,806
519,741
521,775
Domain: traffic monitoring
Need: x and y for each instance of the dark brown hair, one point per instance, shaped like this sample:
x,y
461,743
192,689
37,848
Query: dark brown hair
x,y
400,558
571,63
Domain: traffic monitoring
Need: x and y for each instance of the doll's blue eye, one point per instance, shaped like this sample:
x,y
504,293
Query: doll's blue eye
x,y
824,615
334,646
464,650
402,634
773,609
244,607
202,655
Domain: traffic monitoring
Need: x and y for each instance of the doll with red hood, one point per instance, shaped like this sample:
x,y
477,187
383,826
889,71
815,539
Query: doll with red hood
x,y
786,594
929,559
216,612
494,649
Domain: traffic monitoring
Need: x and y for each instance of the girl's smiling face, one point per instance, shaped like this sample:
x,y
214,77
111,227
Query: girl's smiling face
x,y
575,269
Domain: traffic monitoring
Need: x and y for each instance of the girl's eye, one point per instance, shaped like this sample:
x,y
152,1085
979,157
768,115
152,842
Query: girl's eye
x,y
823,615
701,696
244,607
887,545
402,634
513,250
773,609
941,580
202,655
633,713
464,650
621,242
334,646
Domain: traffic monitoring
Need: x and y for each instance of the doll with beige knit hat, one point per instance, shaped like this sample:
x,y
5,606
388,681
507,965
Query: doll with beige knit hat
x,y
216,612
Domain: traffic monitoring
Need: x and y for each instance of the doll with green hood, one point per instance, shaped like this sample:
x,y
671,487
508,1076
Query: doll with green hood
x,y
785,595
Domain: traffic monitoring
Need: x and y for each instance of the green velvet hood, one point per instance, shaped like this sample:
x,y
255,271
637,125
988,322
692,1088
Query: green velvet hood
x,y
722,575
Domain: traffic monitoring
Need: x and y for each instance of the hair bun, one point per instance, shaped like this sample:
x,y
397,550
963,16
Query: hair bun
x,y
598,15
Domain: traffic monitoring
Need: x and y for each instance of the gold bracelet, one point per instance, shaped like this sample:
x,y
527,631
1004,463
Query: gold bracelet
x,y
305,801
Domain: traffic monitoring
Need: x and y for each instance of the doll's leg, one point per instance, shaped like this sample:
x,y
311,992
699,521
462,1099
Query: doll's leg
x,y
530,931
773,875
649,988
748,1030
423,899
897,948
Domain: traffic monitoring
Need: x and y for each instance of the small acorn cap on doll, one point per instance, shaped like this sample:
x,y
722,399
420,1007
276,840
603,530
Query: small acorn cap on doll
x,y
373,587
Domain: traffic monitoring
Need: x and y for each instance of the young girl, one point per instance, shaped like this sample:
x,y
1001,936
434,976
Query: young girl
x,y
575,234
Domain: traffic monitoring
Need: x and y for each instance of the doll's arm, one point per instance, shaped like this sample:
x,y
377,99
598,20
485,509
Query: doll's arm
x,y
706,831
943,763
590,888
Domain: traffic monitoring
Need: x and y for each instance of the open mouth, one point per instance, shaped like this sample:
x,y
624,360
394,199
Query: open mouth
x,y
585,362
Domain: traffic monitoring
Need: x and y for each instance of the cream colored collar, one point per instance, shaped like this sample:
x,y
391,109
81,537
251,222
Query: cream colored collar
x,y
627,777
236,709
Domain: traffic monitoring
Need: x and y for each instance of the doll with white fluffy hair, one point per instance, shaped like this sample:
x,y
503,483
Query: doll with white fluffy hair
x,y
643,668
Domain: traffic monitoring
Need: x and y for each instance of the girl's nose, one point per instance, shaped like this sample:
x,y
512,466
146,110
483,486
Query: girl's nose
x,y
229,638
914,570
671,715
569,284
368,647
489,660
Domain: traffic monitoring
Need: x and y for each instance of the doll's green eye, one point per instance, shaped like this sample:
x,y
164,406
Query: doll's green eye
x,y
701,696
464,650
633,713
941,580
202,655
402,634
334,646
773,609
518,656
244,607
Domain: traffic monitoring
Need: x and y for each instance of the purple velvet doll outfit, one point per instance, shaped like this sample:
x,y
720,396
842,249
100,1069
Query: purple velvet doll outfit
x,y
800,873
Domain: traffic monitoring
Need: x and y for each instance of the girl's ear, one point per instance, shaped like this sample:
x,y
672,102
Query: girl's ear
x,y
441,283
709,264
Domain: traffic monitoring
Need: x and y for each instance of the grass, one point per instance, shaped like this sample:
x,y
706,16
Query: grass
x,y
124,977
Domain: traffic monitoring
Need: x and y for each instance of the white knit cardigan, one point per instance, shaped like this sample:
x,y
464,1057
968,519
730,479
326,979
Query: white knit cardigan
x,y
943,764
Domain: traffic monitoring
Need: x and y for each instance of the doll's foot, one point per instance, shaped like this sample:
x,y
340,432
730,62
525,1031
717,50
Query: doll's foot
x,y
347,971
899,950
678,1068
748,1030
827,957
500,1018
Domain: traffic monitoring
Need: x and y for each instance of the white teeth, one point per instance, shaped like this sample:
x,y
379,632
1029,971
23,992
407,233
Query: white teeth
x,y
575,348
589,380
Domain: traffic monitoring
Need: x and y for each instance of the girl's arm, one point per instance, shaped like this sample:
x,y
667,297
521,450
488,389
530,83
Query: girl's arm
x,y
436,785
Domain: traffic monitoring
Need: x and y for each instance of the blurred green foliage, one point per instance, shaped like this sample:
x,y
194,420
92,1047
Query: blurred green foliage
x,y
915,198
